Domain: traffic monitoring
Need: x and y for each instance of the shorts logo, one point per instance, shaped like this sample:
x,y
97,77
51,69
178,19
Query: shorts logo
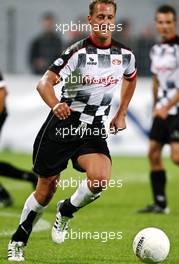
x,y
116,62
175,134
59,62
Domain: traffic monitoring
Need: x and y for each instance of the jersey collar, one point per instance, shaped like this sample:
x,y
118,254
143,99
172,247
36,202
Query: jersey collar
x,y
96,44
172,40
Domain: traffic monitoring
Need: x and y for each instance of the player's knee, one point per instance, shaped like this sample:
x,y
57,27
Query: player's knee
x,y
43,198
99,180
175,158
154,156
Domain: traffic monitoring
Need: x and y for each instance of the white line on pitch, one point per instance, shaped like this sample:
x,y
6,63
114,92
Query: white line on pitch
x,y
41,225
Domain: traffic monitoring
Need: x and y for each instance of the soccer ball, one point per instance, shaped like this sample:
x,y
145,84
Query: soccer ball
x,y
151,245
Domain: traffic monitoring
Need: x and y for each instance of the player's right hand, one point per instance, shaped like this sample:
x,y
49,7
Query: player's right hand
x,y
62,110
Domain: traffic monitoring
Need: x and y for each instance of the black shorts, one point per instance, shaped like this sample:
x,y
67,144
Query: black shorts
x,y
165,131
54,146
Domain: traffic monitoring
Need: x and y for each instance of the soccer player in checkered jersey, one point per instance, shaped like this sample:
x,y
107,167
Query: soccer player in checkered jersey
x,y
165,128
7,169
101,63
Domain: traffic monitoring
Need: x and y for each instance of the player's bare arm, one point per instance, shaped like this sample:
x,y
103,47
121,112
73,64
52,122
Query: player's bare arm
x,y
3,94
155,88
46,90
118,122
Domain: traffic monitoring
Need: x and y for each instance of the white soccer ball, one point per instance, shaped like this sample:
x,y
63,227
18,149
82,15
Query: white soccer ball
x,y
151,245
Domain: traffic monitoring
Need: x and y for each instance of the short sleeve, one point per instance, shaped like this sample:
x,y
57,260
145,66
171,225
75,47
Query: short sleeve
x,y
152,65
65,64
131,70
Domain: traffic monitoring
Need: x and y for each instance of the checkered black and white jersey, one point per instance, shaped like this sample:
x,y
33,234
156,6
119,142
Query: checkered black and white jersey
x,y
90,75
165,65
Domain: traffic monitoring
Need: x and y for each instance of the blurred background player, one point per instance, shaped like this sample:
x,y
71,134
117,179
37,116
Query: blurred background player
x,y
83,108
165,128
7,169
140,44
45,48
80,33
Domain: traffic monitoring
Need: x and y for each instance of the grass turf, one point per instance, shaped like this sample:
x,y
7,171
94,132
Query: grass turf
x,y
114,212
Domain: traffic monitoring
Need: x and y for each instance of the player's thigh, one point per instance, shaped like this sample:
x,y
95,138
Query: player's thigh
x,y
175,152
96,165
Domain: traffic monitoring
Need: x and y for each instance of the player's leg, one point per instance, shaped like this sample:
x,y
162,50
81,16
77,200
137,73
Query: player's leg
x,y
157,173
175,152
11,171
98,170
5,197
159,136
157,179
174,139
33,209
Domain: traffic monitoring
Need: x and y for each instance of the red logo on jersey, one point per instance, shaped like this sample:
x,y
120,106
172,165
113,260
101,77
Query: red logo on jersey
x,y
116,62
106,81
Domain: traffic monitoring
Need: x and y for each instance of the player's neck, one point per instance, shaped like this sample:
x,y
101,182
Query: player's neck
x,y
101,43
169,39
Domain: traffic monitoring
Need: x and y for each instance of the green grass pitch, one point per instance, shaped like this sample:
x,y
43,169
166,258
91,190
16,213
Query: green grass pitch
x,y
114,212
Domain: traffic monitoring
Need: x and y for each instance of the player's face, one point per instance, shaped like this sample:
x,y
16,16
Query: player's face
x,y
48,25
102,21
166,25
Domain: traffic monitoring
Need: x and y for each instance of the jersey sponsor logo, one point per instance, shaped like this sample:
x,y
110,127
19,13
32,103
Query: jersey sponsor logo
x,y
170,52
165,69
106,81
91,61
59,62
116,62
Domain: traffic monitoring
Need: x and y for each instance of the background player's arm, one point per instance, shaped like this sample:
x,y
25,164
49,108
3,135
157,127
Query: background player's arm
x,y
155,88
127,91
3,94
46,90
163,111
173,101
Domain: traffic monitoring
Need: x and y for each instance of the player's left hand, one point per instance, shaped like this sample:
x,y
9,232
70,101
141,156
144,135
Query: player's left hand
x,y
162,112
117,124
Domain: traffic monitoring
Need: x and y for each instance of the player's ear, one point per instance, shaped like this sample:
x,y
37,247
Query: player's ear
x,y
89,19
